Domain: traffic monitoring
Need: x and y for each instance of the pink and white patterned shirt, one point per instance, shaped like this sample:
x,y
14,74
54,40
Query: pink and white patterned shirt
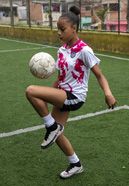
x,y
74,66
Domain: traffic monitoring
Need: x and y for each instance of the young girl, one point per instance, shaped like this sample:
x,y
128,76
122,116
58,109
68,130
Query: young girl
x,y
75,60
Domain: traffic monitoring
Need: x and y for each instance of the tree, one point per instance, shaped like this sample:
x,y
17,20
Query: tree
x,y
102,14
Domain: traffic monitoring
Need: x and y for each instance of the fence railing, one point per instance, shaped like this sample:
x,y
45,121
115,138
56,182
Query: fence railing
x,y
98,15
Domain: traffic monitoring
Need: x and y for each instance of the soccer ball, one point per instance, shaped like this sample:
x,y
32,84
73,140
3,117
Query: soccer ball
x,y
42,65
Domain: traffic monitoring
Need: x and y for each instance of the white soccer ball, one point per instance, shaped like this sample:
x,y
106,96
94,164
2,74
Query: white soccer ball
x,y
42,65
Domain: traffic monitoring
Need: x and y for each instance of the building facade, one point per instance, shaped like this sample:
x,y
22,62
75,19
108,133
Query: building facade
x,y
95,14
115,18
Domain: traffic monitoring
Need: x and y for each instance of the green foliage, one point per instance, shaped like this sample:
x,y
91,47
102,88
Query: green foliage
x,y
100,41
101,13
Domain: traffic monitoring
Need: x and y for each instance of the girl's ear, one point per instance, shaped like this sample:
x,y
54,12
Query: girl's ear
x,y
75,27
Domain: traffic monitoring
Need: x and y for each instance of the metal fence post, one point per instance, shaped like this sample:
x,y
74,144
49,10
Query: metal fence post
x,y
128,16
11,13
118,16
80,5
28,12
50,14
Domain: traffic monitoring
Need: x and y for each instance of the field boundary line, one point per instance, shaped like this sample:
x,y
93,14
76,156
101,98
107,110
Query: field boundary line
x,y
20,49
27,42
110,56
49,46
31,43
18,41
76,118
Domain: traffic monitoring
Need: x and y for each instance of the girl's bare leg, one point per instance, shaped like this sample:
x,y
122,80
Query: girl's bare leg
x,y
62,141
75,166
39,96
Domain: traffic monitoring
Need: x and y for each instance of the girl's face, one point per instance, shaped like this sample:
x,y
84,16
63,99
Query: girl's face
x,y
66,31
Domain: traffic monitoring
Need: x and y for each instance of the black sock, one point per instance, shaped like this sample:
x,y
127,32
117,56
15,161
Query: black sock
x,y
52,127
78,164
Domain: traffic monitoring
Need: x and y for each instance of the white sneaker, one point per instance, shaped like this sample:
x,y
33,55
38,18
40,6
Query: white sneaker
x,y
51,135
71,170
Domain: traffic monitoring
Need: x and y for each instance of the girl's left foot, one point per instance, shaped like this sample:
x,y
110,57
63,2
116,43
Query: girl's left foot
x,y
74,168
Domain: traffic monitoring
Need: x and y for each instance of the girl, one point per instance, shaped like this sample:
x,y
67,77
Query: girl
x,y
75,60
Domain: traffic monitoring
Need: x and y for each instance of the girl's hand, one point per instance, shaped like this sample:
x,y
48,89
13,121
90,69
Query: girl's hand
x,y
111,101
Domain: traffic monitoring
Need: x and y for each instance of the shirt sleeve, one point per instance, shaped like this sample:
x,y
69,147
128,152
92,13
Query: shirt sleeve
x,y
89,57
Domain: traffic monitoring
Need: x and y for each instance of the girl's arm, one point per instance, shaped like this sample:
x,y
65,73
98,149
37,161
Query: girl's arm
x,y
109,98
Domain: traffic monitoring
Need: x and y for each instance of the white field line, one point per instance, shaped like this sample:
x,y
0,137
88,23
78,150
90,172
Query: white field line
x,y
30,129
27,42
114,57
18,41
48,46
20,131
20,49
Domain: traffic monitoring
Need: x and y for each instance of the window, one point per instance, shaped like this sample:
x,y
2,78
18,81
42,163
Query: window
x,y
113,7
46,8
105,6
88,8
56,7
113,27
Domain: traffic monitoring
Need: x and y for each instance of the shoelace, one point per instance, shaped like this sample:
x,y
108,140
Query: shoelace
x,y
47,134
70,167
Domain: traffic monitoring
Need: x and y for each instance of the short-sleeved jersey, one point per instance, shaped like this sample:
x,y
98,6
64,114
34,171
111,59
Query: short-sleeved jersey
x,y
74,66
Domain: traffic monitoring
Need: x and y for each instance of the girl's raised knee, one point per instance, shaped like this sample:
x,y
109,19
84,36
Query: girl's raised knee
x,y
29,90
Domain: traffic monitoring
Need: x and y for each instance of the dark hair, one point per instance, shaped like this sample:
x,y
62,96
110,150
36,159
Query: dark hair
x,y
73,16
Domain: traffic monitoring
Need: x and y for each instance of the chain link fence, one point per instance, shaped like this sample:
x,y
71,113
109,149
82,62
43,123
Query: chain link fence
x,y
98,15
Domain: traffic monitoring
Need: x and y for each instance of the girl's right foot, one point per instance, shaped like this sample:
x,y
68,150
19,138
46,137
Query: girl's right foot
x,y
52,134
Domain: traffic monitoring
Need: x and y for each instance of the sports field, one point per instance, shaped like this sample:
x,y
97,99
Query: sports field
x,y
100,136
